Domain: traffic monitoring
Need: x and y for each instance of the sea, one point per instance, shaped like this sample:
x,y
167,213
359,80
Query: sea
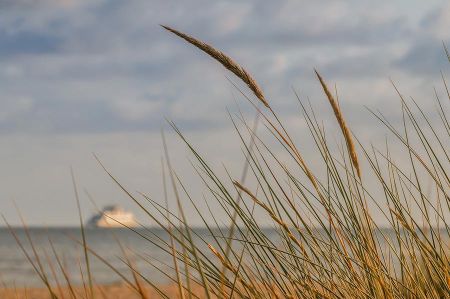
x,y
60,248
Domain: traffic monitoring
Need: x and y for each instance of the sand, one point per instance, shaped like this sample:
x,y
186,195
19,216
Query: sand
x,y
115,291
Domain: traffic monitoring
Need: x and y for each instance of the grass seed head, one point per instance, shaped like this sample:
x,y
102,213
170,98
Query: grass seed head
x,y
226,61
340,118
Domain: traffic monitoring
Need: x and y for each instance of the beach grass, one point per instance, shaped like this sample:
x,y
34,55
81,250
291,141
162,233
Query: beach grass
x,y
328,244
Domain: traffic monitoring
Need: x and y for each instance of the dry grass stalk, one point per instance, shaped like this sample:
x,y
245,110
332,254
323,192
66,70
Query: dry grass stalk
x,y
225,60
231,268
273,216
342,124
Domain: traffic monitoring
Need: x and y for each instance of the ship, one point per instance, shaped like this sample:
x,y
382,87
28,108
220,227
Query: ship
x,y
112,216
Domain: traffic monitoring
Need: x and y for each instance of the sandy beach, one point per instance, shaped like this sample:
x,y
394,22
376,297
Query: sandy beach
x,y
116,291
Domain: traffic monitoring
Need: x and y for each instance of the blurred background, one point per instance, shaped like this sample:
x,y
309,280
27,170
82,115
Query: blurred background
x,y
83,77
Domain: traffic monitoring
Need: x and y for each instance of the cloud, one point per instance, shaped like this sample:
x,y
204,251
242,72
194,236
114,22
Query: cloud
x,y
32,4
96,56
424,58
12,107
136,110
437,22
26,42
426,54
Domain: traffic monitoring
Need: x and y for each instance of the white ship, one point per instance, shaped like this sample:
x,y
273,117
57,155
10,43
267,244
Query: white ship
x,y
113,216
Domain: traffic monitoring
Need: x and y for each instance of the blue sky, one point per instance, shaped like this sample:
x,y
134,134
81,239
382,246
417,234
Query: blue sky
x,y
78,77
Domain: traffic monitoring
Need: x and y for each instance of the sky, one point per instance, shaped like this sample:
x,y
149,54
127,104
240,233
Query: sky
x,y
97,76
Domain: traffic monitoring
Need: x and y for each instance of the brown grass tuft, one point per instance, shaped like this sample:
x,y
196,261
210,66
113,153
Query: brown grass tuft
x,y
342,124
226,61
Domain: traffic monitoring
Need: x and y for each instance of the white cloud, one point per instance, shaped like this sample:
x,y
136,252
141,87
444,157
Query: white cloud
x,y
13,107
137,109
12,71
438,22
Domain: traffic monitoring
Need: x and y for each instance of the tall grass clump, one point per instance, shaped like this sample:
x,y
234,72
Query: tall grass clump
x,y
324,242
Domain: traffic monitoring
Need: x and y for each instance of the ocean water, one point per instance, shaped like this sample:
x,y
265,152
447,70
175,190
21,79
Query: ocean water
x,y
16,270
